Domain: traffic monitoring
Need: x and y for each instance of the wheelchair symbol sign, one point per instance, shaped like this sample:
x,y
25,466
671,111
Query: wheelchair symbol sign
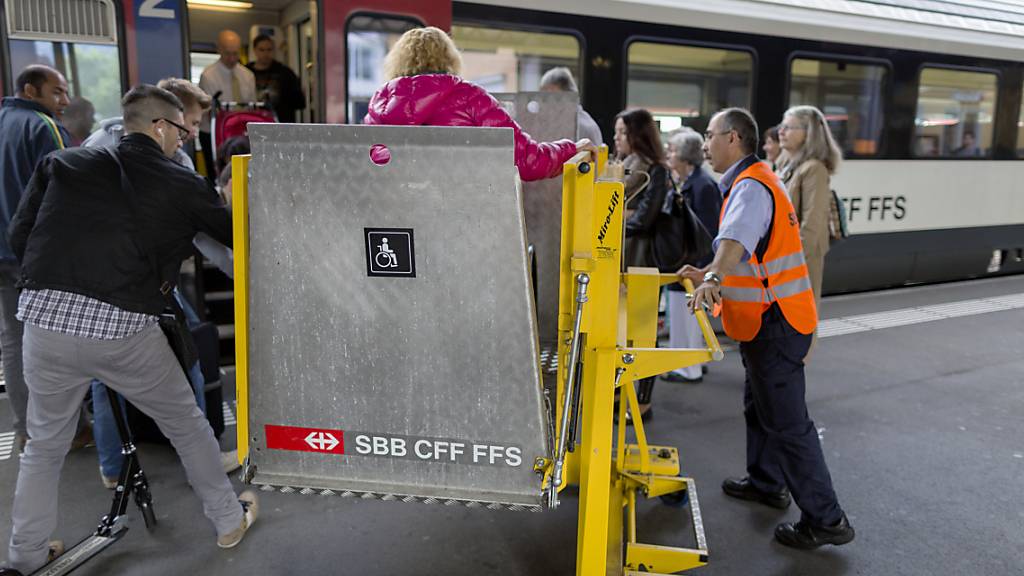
x,y
389,252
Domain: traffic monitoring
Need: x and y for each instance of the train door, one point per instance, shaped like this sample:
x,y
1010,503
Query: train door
x,y
356,36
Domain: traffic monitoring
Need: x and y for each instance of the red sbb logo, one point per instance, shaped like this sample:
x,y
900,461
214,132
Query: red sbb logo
x,y
299,439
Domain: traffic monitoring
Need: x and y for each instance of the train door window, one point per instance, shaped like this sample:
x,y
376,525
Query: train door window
x,y
1020,126
369,38
78,38
850,95
954,113
505,60
685,85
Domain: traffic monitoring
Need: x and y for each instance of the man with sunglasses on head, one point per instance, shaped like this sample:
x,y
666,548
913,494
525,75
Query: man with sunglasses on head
x,y
98,245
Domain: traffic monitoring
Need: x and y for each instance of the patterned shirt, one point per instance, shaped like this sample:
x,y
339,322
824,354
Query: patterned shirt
x,y
78,315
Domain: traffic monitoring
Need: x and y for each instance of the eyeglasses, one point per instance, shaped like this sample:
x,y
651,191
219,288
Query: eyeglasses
x,y
182,131
709,134
788,127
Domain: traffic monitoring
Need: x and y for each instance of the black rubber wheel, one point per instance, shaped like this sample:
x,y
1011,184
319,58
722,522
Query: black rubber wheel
x,y
676,499
148,515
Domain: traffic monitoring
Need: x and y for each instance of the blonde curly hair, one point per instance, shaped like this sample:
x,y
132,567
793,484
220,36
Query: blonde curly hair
x,y
423,51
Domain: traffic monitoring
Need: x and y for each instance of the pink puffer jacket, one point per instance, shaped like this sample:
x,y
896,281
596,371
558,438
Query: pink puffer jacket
x,y
446,100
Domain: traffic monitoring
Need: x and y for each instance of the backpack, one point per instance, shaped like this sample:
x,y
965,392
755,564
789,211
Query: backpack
x,y
837,220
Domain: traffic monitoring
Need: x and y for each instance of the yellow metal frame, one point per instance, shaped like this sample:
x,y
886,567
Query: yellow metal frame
x,y
240,224
619,327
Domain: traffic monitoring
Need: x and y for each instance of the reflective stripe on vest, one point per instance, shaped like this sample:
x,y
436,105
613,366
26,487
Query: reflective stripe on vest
x,y
753,286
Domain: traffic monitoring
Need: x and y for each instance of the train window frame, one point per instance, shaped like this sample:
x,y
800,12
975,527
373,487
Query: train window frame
x,y
755,64
886,92
995,109
416,22
537,29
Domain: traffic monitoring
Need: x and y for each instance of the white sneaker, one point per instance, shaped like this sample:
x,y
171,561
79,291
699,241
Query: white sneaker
x,y
250,508
229,461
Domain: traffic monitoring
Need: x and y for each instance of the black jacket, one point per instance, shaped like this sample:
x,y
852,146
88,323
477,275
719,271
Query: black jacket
x,y
76,231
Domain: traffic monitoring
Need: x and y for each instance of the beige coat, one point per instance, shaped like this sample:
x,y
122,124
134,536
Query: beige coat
x,y
810,191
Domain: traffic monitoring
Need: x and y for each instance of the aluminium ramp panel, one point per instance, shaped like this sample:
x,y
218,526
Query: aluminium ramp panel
x,y
546,117
424,386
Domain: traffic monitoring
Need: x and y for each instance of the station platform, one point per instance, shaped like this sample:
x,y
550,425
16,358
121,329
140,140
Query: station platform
x,y
916,393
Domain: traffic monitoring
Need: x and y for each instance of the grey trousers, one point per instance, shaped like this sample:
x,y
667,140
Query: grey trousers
x,y
142,367
10,344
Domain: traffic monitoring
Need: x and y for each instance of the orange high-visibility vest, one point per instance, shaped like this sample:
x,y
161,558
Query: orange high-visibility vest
x,y
751,288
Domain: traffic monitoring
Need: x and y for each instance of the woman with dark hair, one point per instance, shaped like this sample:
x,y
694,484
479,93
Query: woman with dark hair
x,y
638,145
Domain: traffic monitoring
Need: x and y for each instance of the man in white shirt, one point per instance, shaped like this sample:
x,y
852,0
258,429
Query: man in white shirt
x,y
234,83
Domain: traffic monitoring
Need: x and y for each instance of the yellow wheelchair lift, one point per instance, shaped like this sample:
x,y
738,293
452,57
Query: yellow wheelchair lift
x,y
607,332
607,327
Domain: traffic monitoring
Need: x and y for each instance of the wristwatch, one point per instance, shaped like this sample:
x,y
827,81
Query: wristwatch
x,y
713,278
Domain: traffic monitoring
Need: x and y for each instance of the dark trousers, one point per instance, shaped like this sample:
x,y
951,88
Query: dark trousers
x,y
783,449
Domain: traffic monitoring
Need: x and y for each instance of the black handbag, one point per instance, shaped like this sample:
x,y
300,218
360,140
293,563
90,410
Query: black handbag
x,y
681,239
172,320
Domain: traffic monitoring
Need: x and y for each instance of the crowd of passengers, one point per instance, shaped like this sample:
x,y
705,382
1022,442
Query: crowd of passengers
x,y
94,229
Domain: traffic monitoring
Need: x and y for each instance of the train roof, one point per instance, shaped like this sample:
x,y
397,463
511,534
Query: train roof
x,y
981,28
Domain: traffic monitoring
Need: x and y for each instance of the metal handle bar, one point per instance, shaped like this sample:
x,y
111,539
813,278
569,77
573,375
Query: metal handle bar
x,y
705,324
568,404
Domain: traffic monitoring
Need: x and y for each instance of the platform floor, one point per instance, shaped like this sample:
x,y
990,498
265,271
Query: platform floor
x,y
918,395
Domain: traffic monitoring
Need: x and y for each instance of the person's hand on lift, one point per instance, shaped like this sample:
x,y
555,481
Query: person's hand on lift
x,y
586,145
696,275
708,294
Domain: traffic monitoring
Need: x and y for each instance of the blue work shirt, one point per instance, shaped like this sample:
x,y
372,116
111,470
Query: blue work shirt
x,y
26,136
748,215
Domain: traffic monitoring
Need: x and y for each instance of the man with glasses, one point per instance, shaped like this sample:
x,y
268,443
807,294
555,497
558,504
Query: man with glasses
x,y
760,280
196,103
97,246
108,443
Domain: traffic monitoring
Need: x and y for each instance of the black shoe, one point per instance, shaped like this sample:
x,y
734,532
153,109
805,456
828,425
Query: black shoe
x,y
807,537
743,489
680,379
703,369
644,417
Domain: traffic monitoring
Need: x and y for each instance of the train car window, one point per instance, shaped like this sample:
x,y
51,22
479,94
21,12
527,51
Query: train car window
x,y
78,38
850,95
93,71
368,39
685,85
954,113
503,60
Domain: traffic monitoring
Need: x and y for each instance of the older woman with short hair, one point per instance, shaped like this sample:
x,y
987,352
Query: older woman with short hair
x,y
701,194
424,89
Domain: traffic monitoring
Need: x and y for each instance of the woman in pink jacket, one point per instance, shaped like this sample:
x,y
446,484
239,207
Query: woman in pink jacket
x,y
425,90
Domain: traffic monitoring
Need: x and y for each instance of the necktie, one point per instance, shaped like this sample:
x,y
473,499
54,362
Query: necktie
x,y
236,90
